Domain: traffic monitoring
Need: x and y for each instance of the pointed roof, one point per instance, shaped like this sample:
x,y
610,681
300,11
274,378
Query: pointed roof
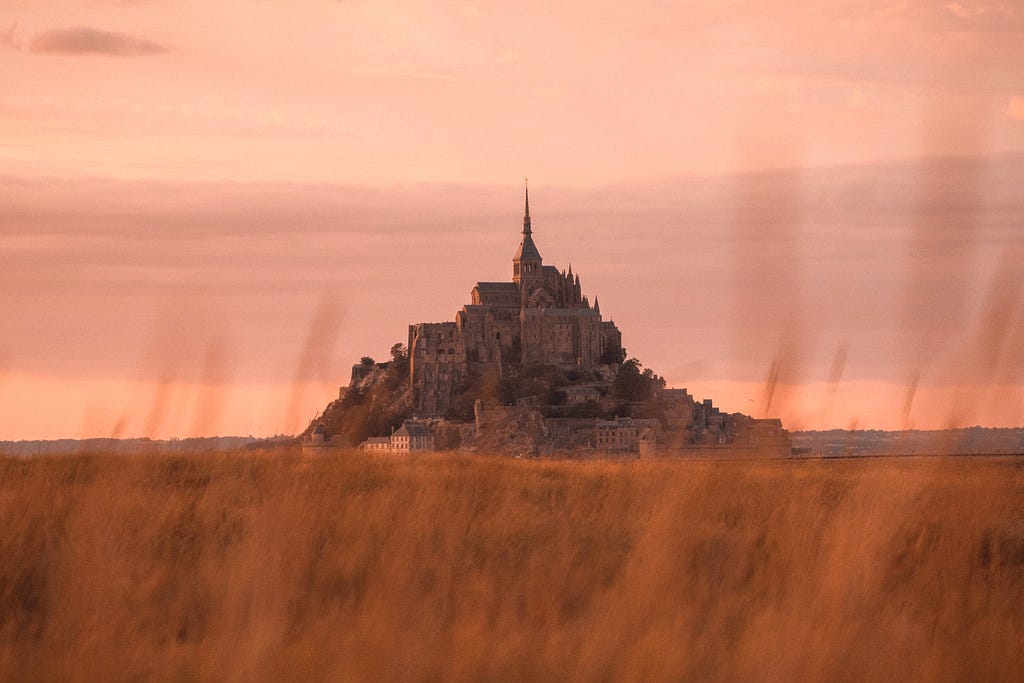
x,y
527,249
496,287
526,216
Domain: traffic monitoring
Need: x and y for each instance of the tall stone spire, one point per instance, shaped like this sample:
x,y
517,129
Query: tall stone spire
x,y
526,216
526,264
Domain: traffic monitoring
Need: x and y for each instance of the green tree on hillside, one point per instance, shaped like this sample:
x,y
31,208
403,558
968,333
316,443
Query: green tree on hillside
x,y
634,385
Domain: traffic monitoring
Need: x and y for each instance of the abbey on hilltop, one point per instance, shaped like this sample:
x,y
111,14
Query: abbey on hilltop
x,y
528,367
539,317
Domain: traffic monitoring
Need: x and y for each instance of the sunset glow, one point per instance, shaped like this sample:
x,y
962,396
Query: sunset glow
x,y
210,210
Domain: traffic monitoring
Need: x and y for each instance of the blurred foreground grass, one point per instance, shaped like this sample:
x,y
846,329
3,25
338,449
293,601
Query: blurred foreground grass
x,y
275,567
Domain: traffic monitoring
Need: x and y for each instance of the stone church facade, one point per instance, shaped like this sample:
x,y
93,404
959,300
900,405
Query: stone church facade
x,y
540,317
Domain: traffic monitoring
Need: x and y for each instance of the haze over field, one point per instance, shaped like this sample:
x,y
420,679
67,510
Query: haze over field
x,y
208,212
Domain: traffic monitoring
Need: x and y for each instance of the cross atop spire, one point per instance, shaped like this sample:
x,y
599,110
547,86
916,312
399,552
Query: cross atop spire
x,y
526,216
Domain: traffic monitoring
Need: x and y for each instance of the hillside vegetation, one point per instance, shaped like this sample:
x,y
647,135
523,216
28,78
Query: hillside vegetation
x,y
378,398
268,566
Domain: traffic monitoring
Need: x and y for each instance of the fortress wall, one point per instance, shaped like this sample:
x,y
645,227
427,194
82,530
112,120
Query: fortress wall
x,y
437,363
562,336
484,331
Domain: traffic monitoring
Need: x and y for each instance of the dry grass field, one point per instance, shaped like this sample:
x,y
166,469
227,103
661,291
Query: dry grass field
x,y
270,566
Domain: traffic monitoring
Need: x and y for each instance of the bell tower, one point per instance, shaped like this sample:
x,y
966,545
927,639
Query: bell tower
x,y
526,264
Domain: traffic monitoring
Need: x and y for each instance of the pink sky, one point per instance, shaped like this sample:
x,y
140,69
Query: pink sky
x,y
208,211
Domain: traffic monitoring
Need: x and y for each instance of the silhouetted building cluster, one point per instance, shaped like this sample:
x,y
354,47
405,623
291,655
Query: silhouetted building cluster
x,y
540,317
559,382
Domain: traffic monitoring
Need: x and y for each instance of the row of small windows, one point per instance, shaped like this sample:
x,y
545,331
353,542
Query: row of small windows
x,y
618,435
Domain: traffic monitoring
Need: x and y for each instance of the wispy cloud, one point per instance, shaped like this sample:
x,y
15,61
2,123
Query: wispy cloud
x,y
85,40
968,10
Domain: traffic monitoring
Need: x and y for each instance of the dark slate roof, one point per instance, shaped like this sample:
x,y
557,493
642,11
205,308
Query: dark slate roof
x,y
549,270
413,429
554,310
527,250
497,287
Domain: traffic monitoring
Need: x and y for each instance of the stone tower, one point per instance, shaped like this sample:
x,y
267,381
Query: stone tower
x,y
540,317
526,264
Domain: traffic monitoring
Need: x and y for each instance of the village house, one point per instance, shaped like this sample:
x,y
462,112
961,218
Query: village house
x,y
621,434
376,443
411,437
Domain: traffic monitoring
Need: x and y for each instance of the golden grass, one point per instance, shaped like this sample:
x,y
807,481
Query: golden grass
x,y
274,567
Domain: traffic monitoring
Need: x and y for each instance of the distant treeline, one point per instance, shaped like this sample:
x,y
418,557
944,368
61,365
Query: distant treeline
x,y
968,441
128,446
